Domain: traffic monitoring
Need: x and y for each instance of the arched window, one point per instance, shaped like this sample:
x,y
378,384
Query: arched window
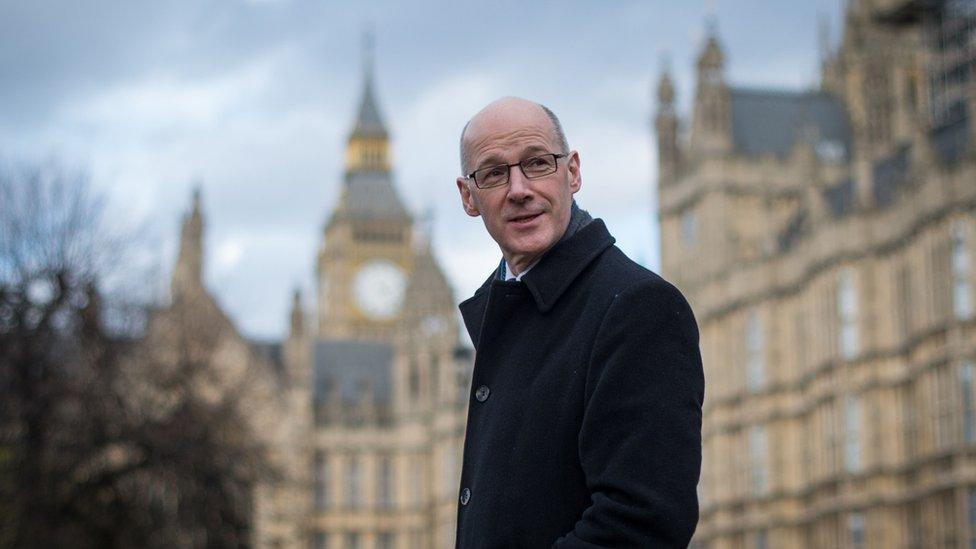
x,y
847,314
755,366
852,434
353,482
962,303
757,459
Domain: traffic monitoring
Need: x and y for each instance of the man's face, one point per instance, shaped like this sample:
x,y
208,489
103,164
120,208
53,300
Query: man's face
x,y
526,216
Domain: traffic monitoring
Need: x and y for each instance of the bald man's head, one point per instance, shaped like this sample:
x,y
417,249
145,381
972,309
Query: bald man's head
x,y
512,107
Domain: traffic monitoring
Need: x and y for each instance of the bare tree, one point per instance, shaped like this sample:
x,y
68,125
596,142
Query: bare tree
x,y
102,443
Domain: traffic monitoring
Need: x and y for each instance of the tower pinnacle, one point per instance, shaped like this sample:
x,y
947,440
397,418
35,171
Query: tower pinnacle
x,y
188,273
368,146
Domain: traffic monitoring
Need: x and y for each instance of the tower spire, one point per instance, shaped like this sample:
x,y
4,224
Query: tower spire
x,y
712,117
368,147
188,273
666,125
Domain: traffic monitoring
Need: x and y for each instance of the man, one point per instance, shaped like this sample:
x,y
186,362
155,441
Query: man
x,y
584,424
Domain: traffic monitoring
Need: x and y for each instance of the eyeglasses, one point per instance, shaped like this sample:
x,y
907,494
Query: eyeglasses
x,y
533,167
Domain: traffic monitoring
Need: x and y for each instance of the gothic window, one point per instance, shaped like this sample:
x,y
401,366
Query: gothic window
x,y
847,314
739,467
855,530
755,367
940,281
689,227
903,297
352,540
968,417
417,480
413,381
946,520
320,475
971,515
800,345
852,433
944,387
806,452
384,484
962,303
450,479
829,420
757,458
910,419
915,525
353,482
320,541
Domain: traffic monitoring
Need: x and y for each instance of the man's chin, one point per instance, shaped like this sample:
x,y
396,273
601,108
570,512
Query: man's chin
x,y
529,247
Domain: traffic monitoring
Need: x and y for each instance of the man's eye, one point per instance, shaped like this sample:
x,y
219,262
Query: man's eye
x,y
494,172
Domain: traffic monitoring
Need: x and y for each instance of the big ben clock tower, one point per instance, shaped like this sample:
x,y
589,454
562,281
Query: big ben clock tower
x,y
366,256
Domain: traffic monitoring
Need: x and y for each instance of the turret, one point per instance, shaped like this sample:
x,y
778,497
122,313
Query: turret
x,y
711,130
297,317
666,125
188,273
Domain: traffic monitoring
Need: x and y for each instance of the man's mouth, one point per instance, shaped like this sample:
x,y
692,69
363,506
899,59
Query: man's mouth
x,y
523,219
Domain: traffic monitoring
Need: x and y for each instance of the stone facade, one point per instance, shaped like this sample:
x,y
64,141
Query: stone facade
x,y
362,406
826,240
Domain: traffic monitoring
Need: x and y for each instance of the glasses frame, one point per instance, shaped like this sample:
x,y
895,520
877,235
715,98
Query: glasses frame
x,y
521,166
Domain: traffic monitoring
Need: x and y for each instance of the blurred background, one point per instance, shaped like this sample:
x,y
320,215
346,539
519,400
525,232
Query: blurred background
x,y
231,251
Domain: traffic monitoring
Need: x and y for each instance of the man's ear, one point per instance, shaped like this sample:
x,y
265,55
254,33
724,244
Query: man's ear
x,y
467,201
573,168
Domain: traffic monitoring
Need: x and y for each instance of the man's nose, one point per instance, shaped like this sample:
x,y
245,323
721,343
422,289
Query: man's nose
x,y
518,185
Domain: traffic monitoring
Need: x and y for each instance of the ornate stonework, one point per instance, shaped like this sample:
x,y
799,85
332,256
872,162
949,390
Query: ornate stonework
x,y
362,407
827,242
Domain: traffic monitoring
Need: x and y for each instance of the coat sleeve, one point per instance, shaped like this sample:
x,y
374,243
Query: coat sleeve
x,y
640,440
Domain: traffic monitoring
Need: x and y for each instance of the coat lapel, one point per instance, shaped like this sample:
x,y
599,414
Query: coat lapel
x,y
549,279
554,273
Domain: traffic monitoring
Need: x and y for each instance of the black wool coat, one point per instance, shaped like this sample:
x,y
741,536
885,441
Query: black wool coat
x,y
584,424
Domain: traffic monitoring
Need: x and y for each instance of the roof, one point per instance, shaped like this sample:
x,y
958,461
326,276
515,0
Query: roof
x,y
890,175
369,123
950,140
372,195
350,365
428,290
765,121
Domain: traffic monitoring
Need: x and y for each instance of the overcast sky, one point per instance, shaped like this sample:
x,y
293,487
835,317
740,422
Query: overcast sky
x,y
254,100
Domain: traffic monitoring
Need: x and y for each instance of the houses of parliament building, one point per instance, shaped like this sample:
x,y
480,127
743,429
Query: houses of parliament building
x,y
826,240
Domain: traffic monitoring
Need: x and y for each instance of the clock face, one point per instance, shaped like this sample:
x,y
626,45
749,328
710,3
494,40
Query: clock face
x,y
378,289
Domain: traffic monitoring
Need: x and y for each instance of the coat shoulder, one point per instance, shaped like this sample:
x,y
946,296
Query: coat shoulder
x,y
641,294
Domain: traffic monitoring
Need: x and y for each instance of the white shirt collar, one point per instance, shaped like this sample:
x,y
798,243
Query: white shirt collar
x,y
509,275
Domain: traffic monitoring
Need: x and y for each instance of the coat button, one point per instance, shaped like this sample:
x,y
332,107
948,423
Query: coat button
x,y
465,496
482,393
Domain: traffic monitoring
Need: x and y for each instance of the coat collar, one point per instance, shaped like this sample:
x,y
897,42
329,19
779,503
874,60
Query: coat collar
x,y
560,266
550,277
